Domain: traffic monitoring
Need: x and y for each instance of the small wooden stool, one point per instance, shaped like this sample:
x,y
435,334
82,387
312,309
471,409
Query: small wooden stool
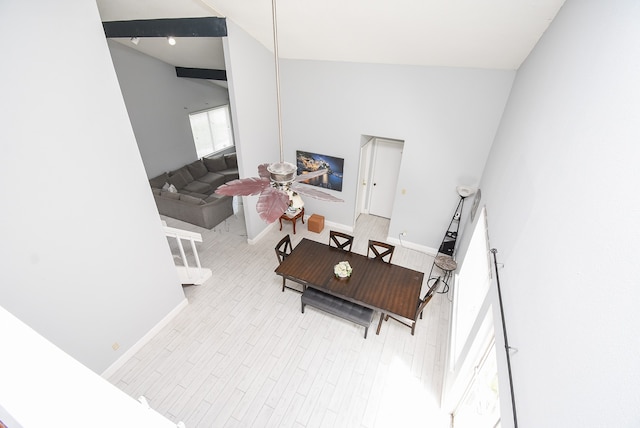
x,y
315,223
292,219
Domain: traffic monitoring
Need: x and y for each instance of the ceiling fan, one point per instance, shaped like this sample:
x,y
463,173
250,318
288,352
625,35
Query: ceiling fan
x,y
277,183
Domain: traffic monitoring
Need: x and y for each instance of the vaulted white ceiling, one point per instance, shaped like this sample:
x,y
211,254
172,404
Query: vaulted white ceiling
x,y
492,34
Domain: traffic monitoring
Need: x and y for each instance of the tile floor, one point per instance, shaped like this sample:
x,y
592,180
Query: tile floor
x,y
241,354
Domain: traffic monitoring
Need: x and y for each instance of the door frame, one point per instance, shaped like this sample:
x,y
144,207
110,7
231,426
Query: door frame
x,y
366,171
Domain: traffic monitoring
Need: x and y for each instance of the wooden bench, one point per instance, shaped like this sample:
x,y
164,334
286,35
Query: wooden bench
x,y
339,307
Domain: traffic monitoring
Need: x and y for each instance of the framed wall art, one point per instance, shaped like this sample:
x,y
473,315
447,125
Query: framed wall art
x,y
308,162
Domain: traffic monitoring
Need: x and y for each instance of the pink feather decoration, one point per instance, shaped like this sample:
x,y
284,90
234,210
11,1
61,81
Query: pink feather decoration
x,y
309,175
263,172
272,203
244,187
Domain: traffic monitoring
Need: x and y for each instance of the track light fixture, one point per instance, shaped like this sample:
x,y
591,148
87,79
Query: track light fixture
x,y
135,40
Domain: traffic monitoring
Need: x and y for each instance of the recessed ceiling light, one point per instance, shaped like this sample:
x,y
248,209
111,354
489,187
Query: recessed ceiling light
x,y
171,40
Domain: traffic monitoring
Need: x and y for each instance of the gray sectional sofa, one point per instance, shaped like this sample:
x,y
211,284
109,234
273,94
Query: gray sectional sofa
x,y
187,193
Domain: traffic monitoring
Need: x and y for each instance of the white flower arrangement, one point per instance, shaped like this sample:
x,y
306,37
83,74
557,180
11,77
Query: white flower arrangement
x,y
342,270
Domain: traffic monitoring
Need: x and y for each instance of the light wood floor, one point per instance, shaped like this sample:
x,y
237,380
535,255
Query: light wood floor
x,y
242,353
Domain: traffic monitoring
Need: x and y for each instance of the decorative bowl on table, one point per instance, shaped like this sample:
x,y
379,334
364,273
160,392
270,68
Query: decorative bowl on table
x,y
342,270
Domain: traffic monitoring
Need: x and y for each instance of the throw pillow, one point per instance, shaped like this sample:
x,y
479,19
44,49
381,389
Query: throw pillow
x,y
231,160
166,186
158,181
214,164
184,171
178,181
172,189
197,169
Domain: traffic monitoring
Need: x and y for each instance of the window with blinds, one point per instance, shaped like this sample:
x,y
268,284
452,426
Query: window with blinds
x,y
211,130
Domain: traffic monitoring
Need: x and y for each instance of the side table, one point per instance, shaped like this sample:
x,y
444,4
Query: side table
x,y
292,219
447,265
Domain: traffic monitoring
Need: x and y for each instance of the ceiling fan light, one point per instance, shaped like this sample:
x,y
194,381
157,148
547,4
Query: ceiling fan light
x,y
282,172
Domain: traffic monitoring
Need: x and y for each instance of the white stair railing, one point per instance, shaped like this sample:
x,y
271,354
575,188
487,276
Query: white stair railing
x,y
188,275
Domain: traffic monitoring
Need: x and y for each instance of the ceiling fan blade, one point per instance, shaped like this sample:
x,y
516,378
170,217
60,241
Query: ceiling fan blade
x,y
262,170
308,175
272,203
317,194
244,187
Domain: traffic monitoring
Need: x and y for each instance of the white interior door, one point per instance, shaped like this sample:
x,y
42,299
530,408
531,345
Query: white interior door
x,y
363,178
384,180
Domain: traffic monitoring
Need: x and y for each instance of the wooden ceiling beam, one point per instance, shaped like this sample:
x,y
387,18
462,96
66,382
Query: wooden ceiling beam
x,y
201,73
179,27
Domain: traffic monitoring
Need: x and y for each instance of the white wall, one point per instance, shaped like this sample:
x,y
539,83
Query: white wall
x,y
560,190
446,117
159,103
252,90
42,387
83,260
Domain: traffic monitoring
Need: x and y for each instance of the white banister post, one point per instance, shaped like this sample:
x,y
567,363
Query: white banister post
x,y
184,257
195,253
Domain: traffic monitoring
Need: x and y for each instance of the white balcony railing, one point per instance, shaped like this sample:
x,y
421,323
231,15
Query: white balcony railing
x,y
188,275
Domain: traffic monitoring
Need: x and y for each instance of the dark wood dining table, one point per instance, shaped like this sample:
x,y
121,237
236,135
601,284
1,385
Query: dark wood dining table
x,y
384,287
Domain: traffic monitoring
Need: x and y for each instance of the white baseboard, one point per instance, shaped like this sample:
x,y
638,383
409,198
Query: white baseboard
x,y
144,340
342,227
267,229
413,246
261,234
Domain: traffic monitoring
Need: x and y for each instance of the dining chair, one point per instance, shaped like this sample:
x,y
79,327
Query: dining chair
x,y
380,250
411,323
283,249
340,240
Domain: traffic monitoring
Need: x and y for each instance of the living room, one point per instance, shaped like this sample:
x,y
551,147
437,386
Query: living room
x,y
565,143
